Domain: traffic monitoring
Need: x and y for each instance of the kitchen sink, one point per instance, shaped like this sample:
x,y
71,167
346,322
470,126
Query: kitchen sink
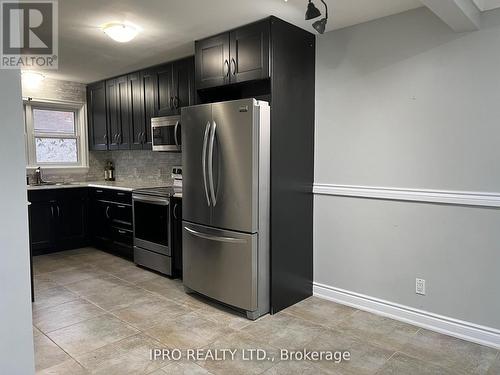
x,y
50,183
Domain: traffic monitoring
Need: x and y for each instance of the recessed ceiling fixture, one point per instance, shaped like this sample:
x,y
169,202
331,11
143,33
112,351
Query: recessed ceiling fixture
x,y
313,12
121,32
32,79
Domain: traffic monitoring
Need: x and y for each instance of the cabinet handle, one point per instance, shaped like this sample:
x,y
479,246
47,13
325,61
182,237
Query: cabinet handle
x,y
52,211
58,211
105,138
171,103
107,213
176,102
175,211
233,66
121,206
120,194
226,68
122,231
120,140
141,137
99,191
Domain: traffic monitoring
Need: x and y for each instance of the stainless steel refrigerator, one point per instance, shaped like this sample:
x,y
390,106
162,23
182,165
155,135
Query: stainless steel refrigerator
x,y
225,231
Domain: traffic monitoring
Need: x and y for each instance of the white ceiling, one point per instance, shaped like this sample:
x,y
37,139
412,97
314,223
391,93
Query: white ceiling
x,y
86,54
484,5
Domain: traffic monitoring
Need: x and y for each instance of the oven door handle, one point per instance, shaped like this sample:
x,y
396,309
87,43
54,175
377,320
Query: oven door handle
x,y
152,200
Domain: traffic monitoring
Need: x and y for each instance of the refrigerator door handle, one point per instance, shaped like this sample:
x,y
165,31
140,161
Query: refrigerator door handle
x,y
211,237
204,161
211,164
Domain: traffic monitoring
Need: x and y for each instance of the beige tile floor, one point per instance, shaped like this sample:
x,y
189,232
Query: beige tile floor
x,y
99,314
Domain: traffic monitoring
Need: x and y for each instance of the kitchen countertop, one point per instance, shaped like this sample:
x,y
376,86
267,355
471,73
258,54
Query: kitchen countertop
x,y
115,185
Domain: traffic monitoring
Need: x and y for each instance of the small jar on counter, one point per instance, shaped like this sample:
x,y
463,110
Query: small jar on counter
x,y
109,171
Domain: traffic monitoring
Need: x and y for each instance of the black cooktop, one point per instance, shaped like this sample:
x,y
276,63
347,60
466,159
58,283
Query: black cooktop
x,y
163,191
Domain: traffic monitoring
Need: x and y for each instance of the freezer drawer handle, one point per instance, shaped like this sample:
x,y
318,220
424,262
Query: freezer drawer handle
x,y
204,161
214,238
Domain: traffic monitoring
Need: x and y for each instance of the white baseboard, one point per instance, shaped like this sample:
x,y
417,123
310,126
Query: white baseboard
x,y
434,322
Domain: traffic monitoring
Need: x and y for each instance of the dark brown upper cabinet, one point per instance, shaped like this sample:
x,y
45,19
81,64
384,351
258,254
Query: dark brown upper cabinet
x,y
150,88
175,86
249,48
136,110
240,55
165,96
120,109
182,89
117,94
212,61
97,119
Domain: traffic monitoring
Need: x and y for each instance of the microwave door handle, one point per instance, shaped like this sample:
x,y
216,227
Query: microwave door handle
x,y
204,161
210,164
175,134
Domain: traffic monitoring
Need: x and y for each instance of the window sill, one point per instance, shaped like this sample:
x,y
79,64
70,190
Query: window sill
x,y
61,170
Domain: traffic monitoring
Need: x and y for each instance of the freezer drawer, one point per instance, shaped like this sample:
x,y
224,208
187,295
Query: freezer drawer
x,y
221,264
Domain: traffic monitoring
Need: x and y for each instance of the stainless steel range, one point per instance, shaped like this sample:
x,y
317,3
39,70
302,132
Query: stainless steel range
x,y
152,214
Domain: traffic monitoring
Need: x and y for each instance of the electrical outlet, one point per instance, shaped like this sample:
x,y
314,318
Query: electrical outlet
x,y
420,286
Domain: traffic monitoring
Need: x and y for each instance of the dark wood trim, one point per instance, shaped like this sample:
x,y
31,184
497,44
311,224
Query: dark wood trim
x,y
292,163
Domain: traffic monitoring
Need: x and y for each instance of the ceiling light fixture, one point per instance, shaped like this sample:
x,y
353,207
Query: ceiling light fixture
x,y
313,12
32,79
121,32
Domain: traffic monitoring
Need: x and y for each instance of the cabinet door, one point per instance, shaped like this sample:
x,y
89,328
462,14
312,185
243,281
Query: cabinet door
x,y
149,85
183,84
101,222
97,120
165,92
136,109
71,221
42,227
212,61
123,97
112,109
250,52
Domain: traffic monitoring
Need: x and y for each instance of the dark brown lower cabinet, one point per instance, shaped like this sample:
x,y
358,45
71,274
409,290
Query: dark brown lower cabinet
x,y
111,218
58,220
177,235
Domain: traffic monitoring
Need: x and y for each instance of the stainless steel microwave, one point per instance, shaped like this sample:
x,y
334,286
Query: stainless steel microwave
x,y
166,133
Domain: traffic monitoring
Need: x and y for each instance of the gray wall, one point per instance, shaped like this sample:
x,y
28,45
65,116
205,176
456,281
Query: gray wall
x,y
16,335
405,102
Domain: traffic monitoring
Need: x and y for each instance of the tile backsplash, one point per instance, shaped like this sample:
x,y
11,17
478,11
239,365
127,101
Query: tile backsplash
x,y
147,166
136,165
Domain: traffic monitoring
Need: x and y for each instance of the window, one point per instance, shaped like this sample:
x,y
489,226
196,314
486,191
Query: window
x,y
54,135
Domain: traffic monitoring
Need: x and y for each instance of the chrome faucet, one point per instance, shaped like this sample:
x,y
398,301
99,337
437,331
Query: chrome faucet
x,y
38,176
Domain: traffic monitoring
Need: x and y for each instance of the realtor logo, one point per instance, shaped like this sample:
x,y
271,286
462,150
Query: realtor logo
x,y
29,34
